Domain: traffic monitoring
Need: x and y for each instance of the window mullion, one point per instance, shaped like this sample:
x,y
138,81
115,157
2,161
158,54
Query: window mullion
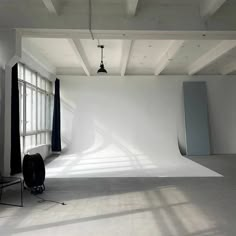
x,y
32,110
45,114
24,110
41,121
36,108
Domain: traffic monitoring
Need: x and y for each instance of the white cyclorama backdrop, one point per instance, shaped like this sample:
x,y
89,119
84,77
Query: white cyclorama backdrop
x,y
123,127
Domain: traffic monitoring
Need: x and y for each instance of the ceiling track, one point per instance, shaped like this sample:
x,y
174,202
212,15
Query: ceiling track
x,y
90,19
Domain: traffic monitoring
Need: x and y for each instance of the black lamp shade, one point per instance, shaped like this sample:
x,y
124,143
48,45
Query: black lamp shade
x,y
102,70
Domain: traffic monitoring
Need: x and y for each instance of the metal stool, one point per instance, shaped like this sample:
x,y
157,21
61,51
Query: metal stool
x,y
7,182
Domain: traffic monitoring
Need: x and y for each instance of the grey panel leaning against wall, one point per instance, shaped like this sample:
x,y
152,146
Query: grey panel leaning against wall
x,y
196,118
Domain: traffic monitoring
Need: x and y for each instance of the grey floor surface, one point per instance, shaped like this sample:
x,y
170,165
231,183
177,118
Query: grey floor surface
x,y
130,206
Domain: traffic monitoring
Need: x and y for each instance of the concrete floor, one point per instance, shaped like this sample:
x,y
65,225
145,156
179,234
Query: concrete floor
x,y
130,206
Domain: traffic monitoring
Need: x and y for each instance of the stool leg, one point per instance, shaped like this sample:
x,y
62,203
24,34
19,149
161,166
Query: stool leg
x,y
21,192
0,193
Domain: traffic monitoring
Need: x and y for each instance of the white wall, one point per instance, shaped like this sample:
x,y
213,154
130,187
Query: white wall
x,y
7,46
147,113
222,111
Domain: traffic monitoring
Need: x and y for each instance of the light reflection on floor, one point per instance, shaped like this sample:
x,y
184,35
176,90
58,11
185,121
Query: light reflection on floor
x,y
159,211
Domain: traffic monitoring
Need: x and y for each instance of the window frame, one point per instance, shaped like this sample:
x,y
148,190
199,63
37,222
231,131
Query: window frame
x,y
48,94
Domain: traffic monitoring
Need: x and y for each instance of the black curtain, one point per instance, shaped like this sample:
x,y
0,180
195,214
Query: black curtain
x,y
56,125
15,125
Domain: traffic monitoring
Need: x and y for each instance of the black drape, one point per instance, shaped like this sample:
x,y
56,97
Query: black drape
x,y
15,129
56,126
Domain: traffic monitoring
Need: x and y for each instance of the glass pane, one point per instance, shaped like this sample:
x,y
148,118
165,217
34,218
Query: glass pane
x,y
38,139
33,78
33,140
48,86
34,106
43,84
21,106
39,111
43,115
51,110
43,138
27,143
39,81
27,75
28,109
48,138
30,142
48,113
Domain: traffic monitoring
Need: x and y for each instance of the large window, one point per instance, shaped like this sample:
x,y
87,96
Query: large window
x,y
35,97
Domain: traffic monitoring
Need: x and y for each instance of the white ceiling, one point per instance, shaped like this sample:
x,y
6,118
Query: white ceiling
x,y
120,15
143,57
188,53
220,63
141,37
57,51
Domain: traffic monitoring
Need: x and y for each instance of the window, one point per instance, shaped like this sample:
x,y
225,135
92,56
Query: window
x,y
35,98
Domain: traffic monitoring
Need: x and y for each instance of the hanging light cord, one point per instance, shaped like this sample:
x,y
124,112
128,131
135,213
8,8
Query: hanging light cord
x,y
41,199
90,22
102,54
90,19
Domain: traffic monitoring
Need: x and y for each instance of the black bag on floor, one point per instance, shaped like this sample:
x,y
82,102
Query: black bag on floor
x,y
34,172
